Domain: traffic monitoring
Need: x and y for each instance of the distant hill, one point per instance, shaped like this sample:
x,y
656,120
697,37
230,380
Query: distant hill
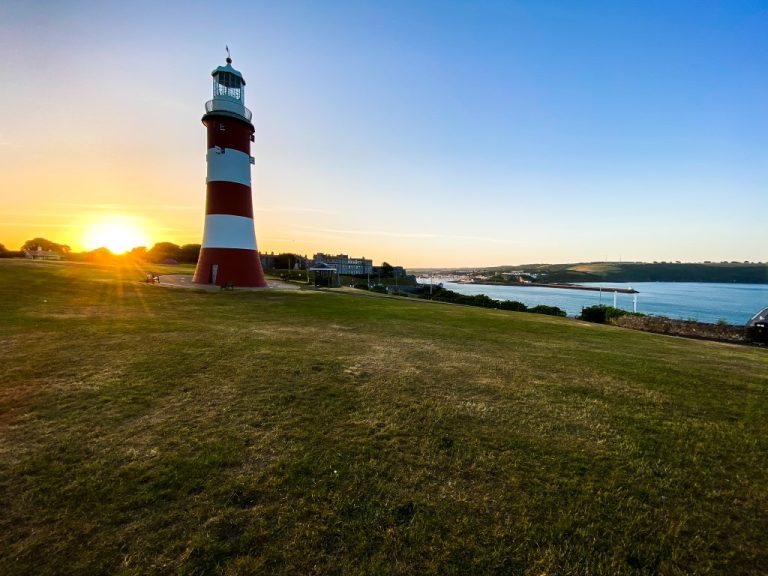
x,y
656,272
744,273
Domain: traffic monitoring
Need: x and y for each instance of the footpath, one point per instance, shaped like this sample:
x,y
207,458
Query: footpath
x,y
185,281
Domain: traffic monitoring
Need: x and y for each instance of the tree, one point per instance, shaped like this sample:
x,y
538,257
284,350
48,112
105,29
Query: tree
x,y
100,255
45,245
3,248
163,251
138,253
387,271
189,253
286,261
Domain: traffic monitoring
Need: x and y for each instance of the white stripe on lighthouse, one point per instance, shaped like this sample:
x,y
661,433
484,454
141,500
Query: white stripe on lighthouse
x,y
229,165
227,231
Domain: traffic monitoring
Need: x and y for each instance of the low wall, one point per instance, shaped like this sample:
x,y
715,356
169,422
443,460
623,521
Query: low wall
x,y
687,328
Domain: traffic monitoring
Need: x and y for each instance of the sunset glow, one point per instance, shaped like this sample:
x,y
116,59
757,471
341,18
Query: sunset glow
x,y
511,111
117,233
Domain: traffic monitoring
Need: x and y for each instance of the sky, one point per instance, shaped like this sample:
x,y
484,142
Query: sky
x,y
442,133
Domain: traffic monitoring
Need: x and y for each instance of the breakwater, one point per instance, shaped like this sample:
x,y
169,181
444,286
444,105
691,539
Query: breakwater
x,y
618,290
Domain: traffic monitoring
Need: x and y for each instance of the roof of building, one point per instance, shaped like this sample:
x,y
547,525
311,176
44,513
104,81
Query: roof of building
x,y
322,267
761,316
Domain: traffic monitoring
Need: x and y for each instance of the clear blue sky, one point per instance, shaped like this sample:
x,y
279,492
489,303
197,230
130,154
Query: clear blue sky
x,y
424,133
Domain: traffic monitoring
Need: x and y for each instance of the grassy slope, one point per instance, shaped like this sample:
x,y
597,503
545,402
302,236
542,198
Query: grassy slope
x,y
148,430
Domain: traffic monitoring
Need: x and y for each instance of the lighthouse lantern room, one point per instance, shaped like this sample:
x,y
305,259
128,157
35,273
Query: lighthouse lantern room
x,y
229,255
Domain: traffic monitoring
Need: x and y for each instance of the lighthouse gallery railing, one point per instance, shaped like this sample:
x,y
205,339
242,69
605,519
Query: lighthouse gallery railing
x,y
225,106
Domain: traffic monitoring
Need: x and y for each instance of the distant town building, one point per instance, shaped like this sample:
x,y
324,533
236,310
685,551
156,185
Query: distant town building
x,y
267,260
345,265
40,254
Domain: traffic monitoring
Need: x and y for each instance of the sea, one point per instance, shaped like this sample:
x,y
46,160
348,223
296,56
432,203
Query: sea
x,y
704,302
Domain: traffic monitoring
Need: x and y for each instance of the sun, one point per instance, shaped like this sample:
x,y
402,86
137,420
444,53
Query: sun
x,y
116,233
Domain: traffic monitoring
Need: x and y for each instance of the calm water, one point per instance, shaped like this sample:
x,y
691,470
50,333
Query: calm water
x,y
735,303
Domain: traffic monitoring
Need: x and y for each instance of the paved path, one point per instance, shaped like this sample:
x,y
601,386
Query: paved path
x,y
185,281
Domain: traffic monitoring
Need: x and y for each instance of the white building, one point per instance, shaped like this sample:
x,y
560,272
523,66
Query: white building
x,y
345,265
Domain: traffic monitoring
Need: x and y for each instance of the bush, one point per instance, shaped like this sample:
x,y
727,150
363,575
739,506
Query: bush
x,y
481,300
601,314
361,286
548,310
379,288
513,305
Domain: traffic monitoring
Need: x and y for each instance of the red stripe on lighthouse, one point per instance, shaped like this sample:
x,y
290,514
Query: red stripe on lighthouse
x,y
240,267
229,133
228,198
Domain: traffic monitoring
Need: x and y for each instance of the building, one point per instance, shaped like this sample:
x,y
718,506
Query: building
x,y
267,260
757,327
40,254
229,254
345,265
325,275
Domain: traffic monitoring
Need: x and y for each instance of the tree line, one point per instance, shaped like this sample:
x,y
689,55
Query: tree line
x,y
167,251
160,252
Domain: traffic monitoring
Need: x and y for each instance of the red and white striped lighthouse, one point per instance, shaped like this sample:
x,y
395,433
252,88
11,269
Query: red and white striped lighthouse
x,y
229,253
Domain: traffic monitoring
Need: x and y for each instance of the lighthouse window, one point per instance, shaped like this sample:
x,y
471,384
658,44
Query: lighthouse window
x,y
228,85
222,90
222,127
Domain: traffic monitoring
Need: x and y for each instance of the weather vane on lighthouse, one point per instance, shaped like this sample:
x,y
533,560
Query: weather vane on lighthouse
x,y
229,254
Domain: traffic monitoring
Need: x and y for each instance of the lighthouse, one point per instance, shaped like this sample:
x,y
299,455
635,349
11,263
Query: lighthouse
x,y
229,254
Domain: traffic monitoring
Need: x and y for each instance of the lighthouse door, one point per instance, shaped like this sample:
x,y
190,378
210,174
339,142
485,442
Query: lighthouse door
x,y
214,272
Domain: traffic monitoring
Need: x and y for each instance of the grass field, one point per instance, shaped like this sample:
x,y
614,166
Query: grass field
x,y
146,430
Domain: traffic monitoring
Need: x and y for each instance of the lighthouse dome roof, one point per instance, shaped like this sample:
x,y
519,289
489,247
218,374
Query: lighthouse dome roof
x,y
228,69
